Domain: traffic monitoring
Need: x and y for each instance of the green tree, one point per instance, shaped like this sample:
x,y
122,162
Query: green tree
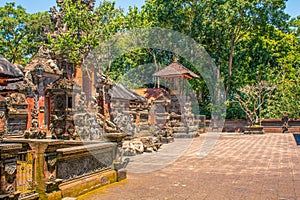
x,y
248,40
218,25
21,33
286,75
251,98
82,27
295,26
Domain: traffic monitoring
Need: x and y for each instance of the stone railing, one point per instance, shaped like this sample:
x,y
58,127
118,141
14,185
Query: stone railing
x,y
76,161
58,167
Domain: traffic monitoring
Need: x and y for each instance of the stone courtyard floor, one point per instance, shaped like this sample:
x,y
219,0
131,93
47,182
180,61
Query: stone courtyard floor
x,y
238,167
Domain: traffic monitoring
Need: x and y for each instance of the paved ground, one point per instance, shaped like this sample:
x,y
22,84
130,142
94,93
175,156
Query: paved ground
x,y
239,167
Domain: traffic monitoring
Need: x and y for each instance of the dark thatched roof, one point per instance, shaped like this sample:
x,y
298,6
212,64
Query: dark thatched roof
x,y
121,92
9,70
175,69
11,86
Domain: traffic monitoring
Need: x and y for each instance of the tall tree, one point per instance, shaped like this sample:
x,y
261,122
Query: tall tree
x,y
21,33
218,25
239,35
81,27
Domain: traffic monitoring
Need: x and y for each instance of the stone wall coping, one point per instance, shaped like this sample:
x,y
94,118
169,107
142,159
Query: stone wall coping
x,y
85,148
279,120
41,141
12,146
262,120
79,142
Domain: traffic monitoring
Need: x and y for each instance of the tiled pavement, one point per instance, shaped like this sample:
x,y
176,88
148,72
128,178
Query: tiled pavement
x,y
238,167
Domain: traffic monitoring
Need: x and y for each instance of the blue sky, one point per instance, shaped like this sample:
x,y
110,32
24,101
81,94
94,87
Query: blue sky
x,y
33,6
293,6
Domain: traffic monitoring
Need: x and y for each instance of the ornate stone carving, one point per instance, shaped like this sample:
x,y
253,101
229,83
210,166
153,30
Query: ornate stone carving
x,y
52,162
18,98
27,87
34,132
125,123
60,102
9,104
102,79
17,112
56,16
131,148
10,168
104,180
3,125
73,168
62,84
82,107
51,177
10,189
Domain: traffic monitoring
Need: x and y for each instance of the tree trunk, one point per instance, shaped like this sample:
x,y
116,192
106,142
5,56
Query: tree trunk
x,y
232,45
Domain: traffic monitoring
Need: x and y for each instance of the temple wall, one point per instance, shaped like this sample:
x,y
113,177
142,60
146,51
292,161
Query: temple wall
x,y
270,125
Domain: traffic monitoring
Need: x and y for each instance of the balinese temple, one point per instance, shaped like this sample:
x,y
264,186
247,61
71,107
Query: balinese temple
x,y
175,109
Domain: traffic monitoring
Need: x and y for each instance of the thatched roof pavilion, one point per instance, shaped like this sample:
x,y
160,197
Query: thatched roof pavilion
x,y
175,77
175,70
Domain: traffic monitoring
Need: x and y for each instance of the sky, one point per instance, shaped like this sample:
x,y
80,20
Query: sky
x,y
32,6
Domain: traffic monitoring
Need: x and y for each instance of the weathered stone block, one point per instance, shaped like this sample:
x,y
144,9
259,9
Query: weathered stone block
x,y
166,140
121,174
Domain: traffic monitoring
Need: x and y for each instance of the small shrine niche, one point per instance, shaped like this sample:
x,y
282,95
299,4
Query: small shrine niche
x,y
159,113
59,103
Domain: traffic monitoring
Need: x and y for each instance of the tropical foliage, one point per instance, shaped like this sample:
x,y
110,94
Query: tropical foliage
x,y
250,42
21,33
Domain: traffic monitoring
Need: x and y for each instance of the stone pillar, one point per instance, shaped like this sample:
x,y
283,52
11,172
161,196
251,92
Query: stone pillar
x,y
8,170
39,149
42,175
30,102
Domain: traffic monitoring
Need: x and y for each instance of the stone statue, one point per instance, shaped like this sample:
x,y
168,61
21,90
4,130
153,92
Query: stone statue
x,y
285,121
34,132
